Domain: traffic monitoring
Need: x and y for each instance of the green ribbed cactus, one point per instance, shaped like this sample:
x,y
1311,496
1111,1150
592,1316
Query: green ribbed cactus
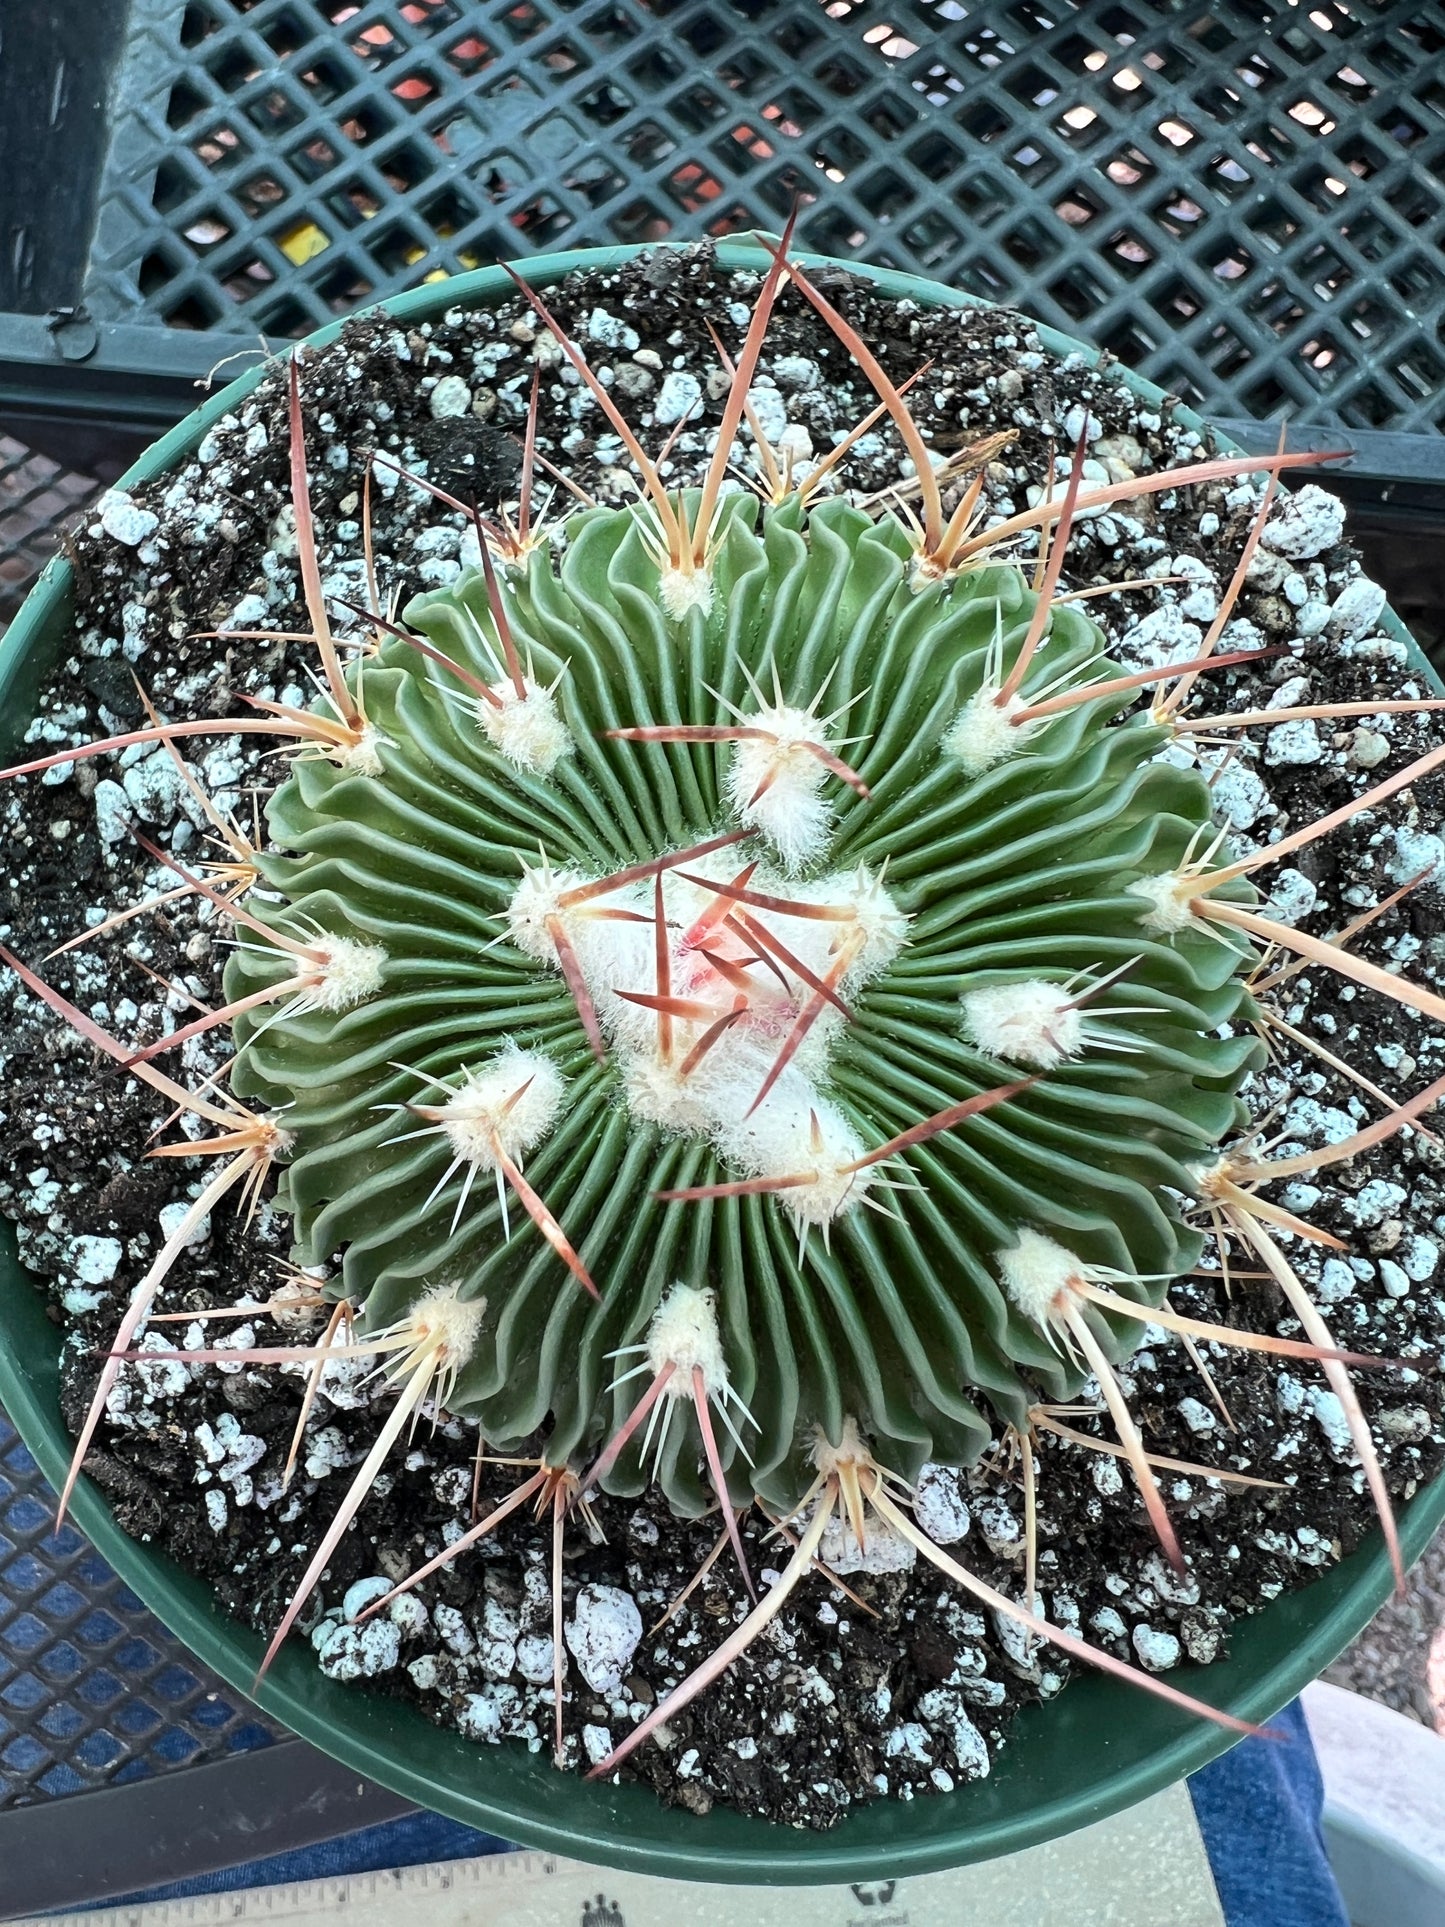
x,y
740,991
970,907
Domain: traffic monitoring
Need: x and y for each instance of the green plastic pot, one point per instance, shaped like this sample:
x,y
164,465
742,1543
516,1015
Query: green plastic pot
x,y
1101,1746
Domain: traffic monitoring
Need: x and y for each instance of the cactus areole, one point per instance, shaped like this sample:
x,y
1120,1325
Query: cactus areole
x,y
588,953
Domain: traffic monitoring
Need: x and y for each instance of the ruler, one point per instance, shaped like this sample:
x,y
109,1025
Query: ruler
x,y
1145,1867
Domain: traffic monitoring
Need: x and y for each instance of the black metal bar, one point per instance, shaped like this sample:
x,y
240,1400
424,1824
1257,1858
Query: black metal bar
x,y
58,61
88,1848
1391,474
83,391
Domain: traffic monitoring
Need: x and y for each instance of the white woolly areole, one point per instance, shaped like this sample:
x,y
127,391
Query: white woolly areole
x,y
882,926
873,936
1211,1179
611,955
803,1135
1038,1272
448,1321
1033,1022
684,1334
363,757
791,811
528,729
1168,896
657,1094
984,733
763,1136
682,590
350,974
485,1108
850,1451
537,898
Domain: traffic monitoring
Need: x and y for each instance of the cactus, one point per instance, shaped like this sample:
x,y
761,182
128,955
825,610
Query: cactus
x,y
487,903
735,983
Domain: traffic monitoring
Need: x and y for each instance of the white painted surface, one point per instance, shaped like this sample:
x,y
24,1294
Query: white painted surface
x,y
1384,1808
1142,1868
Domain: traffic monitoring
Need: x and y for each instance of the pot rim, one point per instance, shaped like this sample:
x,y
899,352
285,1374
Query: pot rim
x,y
1131,1744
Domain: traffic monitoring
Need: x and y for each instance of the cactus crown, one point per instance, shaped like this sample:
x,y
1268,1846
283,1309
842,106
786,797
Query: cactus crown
x,y
633,931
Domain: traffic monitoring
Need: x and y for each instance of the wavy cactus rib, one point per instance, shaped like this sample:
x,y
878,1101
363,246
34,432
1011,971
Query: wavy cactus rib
x,y
948,894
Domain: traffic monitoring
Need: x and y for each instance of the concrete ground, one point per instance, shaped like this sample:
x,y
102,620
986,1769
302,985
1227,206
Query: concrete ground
x,y
1399,1659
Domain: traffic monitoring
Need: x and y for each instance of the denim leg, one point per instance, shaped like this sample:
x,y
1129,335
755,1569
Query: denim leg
x,y
1258,1808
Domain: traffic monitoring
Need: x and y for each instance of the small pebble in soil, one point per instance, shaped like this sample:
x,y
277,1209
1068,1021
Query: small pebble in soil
x,y
938,1504
603,1635
359,1652
125,521
450,398
1306,524
1157,1650
1357,608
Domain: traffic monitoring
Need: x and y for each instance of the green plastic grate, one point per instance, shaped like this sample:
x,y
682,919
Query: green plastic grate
x,y
1244,201
94,1691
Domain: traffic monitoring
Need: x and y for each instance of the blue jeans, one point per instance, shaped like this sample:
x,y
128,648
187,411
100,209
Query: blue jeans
x,y
1258,1809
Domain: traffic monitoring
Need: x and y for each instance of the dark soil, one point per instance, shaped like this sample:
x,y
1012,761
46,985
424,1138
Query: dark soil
x,y
901,1689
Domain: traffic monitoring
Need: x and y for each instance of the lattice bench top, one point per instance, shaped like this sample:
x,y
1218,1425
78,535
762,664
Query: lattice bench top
x,y
1245,201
